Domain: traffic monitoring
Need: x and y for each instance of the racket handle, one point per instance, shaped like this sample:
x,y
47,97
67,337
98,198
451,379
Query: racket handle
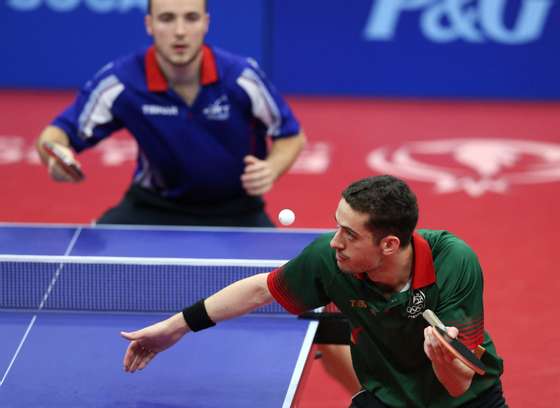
x,y
433,320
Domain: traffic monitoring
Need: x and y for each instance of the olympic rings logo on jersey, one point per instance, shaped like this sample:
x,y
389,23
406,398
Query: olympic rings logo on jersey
x,y
417,305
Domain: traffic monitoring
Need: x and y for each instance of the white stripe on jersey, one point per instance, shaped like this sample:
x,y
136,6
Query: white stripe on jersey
x,y
264,106
97,110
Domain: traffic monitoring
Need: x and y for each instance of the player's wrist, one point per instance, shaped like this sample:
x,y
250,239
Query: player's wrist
x,y
196,317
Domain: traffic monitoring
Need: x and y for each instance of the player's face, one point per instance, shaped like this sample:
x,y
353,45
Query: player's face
x,y
355,246
178,28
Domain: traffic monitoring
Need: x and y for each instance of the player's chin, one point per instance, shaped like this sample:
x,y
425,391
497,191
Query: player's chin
x,y
344,267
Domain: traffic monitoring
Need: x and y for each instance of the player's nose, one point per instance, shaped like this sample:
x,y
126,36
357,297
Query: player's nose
x,y
336,242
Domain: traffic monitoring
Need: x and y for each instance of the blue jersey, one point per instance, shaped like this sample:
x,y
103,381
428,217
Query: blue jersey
x,y
188,152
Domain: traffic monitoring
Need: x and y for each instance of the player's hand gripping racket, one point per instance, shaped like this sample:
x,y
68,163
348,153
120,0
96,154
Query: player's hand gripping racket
x,y
458,349
69,166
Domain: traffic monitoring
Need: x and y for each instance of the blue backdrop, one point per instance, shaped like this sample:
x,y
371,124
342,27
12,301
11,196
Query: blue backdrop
x,y
61,43
412,48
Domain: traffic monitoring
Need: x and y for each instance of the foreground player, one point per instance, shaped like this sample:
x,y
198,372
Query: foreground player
x,y
201,117
381,274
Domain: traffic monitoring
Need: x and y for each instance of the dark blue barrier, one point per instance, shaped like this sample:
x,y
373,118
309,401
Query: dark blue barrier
x,y
435,48
62,43
396,48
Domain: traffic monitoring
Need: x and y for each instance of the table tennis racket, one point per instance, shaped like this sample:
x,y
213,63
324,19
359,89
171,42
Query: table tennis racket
x,y
67,164
458,349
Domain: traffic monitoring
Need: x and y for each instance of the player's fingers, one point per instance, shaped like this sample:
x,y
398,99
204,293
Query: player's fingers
x,y
453,332
128,359
257,183
134,351
149,356
438,351
135,335
250,159
257,188
139,357
264,180
427,345
255,167
431,343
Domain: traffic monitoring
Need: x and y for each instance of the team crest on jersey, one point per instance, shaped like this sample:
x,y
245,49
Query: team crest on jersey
x,y
416,305
218,110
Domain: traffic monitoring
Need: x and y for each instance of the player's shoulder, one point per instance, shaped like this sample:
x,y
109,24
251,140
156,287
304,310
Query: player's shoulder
x,y
126,69
450,253
322,241
319,250
231,66
444,241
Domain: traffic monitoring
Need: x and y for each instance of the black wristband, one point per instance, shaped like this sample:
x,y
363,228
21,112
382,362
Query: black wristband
x,y
196,317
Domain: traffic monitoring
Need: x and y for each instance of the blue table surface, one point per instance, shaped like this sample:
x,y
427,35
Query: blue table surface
x,y
75,360
253,244
71,359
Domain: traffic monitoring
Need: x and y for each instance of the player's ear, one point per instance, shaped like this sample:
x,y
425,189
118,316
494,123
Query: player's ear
x,y
148,24
207,18
390,244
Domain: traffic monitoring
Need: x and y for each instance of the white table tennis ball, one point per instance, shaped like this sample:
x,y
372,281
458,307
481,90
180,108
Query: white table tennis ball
x,y
286,217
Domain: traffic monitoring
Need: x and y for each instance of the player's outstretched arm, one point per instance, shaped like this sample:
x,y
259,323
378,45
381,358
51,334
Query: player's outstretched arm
x,y
58,137
260,175
455,376
234,300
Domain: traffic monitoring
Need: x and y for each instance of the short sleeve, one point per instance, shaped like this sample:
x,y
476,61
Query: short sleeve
x,y
267,105
90,117
460,282
299,285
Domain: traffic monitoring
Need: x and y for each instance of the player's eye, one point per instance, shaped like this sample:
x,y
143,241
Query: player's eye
x,y
350,235
193,17
166,17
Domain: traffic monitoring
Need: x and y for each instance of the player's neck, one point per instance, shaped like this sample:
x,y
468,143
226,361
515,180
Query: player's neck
x,y
181,75
395,272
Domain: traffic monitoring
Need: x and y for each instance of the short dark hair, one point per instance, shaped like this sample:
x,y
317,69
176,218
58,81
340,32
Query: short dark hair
x,y
149,9
391,205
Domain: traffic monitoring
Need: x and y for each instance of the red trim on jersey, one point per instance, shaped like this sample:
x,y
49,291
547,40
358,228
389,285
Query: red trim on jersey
x,y
471,334
279,291
424,273
355,333
156,80
154,77
208,68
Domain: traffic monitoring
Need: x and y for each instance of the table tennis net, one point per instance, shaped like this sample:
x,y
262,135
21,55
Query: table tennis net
x,y
118,285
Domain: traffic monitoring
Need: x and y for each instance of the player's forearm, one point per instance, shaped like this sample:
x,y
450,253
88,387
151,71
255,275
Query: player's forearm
x,y
51,134
238,298
284,152
454,376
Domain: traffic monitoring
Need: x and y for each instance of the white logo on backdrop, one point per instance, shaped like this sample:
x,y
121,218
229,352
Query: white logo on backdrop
x,y
61,6
475,166
473,21
314,159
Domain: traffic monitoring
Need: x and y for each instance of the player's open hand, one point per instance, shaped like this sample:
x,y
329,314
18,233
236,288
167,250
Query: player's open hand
x,y
258,176
434,349
147,342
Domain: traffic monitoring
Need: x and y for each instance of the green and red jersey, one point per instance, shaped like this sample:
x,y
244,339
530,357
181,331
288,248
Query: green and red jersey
x,y
388,333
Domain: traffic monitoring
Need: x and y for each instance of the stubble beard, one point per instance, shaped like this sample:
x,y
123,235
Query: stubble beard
x,y
179,65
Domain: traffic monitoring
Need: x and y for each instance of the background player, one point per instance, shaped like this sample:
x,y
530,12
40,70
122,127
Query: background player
x,y
200,116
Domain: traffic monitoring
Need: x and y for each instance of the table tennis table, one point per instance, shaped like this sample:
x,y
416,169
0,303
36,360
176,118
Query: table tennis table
x,y
56,352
